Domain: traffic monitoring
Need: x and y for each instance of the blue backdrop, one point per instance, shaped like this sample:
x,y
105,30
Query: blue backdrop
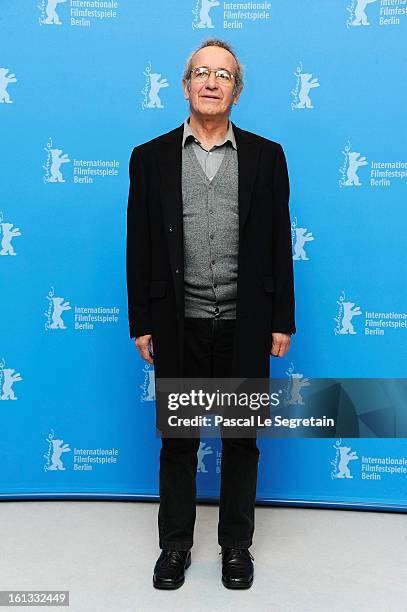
x,y
82,83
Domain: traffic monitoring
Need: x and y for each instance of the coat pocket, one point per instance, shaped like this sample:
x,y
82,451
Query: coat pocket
x,y
158,288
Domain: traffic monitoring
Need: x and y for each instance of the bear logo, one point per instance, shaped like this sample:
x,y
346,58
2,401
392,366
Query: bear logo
x,y
346,456
301,237
307,83
7,392
57,159
57,449
155,86
59,307
202,451
52,15
297,383
348,313
5,79
205,20
354,163
360,13
8,235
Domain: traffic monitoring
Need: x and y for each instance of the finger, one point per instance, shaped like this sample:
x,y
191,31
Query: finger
x,y
275,348
146,355
143,350
284,348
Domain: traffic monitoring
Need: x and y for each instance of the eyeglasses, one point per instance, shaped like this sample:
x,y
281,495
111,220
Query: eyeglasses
x,y
222,75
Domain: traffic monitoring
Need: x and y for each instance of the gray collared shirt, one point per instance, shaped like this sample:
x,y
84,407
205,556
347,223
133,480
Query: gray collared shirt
x,y
210,160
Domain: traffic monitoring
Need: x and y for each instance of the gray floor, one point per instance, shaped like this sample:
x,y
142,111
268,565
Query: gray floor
x,y
305,559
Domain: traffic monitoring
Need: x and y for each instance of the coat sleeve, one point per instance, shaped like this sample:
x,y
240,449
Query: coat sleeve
x,y
138,252
283,317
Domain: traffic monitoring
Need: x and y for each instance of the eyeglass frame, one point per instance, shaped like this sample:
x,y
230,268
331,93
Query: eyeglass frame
x,y
210,70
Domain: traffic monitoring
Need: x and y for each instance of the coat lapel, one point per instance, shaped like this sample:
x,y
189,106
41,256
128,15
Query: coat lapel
x,y
247,155
169,155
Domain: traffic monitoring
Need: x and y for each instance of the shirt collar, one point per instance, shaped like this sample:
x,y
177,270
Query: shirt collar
x,y
230,136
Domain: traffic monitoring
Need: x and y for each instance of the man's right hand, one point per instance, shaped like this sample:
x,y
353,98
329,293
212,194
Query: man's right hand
x,y
142,343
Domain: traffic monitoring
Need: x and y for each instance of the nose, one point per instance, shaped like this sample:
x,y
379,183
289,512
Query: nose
x,y
211,81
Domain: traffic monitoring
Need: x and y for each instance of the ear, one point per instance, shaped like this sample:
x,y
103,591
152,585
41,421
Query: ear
x,y
185,88
237,96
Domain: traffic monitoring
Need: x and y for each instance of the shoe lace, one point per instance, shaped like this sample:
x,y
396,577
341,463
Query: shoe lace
x,y
171,557
239,551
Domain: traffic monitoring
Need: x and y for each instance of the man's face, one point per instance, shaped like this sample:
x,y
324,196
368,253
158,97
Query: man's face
x,y
212,98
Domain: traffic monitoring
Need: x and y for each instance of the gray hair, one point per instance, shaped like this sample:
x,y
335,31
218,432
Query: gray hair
x,y
216,42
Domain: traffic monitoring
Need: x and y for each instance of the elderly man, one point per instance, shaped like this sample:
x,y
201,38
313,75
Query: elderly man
x,y
210,290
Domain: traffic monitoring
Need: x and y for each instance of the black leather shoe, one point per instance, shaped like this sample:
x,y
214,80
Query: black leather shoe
x,y
169,570
237,568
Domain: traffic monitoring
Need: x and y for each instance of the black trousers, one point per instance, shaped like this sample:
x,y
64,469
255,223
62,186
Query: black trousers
x,y
208,353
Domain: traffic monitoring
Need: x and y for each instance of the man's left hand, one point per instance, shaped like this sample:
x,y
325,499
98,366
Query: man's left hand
x,y
280,344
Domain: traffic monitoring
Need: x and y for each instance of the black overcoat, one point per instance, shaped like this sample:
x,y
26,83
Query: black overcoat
x,y
155,254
